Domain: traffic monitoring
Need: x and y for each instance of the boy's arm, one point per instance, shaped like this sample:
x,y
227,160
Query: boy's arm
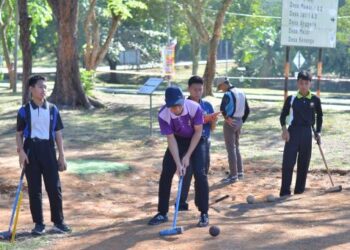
x,y
215,117
285,113
23,158
319,114
246,111
174,150
62,164
194,141
225,100
283,116
21,124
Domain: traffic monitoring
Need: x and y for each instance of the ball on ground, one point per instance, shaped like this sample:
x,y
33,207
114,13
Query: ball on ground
x,y
250,199
214,231
270,198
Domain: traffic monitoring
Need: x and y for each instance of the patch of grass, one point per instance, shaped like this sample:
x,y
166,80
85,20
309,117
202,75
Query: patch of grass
x,y
28,244
85,167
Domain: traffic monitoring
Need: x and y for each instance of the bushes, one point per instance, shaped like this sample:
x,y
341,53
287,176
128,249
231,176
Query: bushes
x,y
87,78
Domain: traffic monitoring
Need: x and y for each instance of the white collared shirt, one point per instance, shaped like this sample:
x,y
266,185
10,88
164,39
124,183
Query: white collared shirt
x,y
40,122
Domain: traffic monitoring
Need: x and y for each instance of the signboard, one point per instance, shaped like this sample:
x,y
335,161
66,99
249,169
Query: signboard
x,y
299,60
309,23
168,59
131,57
150,86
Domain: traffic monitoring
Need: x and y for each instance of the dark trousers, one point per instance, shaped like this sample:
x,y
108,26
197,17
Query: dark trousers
x,y
43,162
198,163
297,149
189,173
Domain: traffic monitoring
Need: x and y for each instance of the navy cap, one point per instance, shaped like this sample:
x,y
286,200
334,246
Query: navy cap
x,y
173,96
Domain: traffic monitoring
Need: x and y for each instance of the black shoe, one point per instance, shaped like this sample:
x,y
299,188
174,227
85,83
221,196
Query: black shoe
x,y
241,176
203,220
229,180
61,228
158,219
39,229
285,194
183,207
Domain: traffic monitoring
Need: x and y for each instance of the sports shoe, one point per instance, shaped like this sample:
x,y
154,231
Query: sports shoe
x,y
39,229
203,220
61,228
229,180
158,219
240,176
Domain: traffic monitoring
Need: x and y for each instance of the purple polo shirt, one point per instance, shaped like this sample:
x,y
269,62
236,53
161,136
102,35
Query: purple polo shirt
x,y
182,125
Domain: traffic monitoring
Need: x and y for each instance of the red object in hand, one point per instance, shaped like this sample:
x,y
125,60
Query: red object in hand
x,y
211,117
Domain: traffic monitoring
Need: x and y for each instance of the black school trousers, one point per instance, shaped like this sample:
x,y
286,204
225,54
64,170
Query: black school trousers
x,y
198,163
43,163
297,149
189,173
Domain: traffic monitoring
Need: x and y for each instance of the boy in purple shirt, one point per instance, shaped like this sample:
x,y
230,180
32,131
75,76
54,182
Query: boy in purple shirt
x,y
182,122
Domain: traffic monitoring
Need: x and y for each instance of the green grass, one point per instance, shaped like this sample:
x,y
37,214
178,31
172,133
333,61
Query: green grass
x,y
28,244
84,167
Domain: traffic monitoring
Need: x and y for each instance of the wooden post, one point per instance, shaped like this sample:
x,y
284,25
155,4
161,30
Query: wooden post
x,y
286,73
319,71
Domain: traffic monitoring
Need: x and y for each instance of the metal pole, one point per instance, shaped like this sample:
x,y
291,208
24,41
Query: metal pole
x,y
15,56
319,71
150,115
226,52
286,73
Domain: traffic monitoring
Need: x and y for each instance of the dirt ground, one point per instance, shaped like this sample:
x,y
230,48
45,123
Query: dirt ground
x,y
111,212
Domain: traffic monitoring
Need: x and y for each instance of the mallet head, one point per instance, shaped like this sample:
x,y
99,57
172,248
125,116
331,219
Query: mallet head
x,y
172,231
334,189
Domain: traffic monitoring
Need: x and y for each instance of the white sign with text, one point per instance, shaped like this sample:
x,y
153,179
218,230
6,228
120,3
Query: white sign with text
x,y
309,23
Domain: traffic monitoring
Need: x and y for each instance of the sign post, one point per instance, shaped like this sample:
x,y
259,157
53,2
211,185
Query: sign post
x,y
147,89
310,23
286,73
319,71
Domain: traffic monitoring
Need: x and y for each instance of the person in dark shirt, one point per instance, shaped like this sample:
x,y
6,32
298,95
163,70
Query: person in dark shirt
x,y
235,109
299,113
39,128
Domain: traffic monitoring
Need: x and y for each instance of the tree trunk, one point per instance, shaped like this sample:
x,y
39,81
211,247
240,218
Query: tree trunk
x,y
68,90
24,23
210,67
5,6
9,64
195,53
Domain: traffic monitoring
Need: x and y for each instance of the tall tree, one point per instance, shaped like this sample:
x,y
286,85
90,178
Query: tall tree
x,y
118,10
210,68
6,20
32,15
24,23
68,89
194,10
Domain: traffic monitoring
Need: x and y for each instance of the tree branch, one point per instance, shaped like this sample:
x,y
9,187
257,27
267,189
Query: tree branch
x,y
87,24
111,32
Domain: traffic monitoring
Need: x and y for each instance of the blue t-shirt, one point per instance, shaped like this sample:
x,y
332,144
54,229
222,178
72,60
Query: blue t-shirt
x,y
207,109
